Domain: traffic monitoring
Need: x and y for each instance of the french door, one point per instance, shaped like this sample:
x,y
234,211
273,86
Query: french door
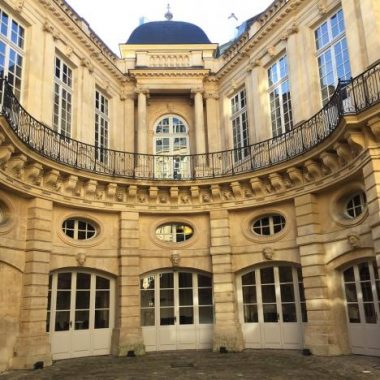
x,y
176,310
362,291
80,314
272,307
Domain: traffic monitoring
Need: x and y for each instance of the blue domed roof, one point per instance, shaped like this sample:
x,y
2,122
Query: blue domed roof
x,y
168,32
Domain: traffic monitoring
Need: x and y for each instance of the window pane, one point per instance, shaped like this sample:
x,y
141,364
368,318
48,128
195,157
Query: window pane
x,y
205,296
82,300
353,313
351,295
186,316
62,321
166,280
167,297
289,312
102,299
249,294
64,281
286,274
147,298
204,281
147,317
267,275
101,319
81,320
206,314
83,281
102,283
250,314
268,293
185,297
185,280
167,316
370,313
270,313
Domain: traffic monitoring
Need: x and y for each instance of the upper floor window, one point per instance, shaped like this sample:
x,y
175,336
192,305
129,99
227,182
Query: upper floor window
x,y
12,36
240,125
356,205
174,232
171,145
332,54
79,229
101,126
63,81
268,225
279,97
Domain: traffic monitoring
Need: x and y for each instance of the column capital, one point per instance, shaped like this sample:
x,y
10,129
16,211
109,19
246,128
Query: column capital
x,y
197,90
142,90
211,95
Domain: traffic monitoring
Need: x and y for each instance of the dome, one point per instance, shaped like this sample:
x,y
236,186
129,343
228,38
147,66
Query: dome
x,y
168,32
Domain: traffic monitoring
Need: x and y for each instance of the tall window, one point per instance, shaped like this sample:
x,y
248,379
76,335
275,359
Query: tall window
x,y
332,54
279,97
62,98
11,51
171,142
101,126
240,125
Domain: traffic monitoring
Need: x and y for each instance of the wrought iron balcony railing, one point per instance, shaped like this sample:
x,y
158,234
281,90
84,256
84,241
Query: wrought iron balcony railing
x,y
350,97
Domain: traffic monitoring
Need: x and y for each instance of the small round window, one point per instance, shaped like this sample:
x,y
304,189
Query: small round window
x,y
79,229
268,225
356,205
174,232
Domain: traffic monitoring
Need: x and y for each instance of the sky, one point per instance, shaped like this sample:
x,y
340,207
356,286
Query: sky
x,y
114,20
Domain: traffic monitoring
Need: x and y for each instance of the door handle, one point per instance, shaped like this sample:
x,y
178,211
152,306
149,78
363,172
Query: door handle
x,y
71,324
278,317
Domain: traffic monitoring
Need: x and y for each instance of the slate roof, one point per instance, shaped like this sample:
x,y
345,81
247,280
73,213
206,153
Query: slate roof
x,y
168,32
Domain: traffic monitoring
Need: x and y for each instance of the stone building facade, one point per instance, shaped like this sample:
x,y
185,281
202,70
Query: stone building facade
x,y
187,195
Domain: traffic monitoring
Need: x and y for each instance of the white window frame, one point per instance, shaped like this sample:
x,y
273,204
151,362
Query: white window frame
x,y
356,205
239,122
12,37
271,224
329,47
76,229
101,126
63,97
167,167
169,232
280,108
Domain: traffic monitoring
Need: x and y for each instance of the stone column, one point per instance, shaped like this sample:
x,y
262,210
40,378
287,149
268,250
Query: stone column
x,y
371,173
362,20
260,103
213,123
32,344
303,73
128,333
249,91
323,334
129,112
200,137
142,128
227,329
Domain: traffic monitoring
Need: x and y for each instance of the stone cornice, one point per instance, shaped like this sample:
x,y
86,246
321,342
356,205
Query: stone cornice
x,y
243,47
342,155
69,19
167,73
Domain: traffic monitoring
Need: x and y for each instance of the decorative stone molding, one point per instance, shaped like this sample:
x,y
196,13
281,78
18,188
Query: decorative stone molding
x,y
356,140
268,253
322,7
295,176
374,126
277,182
6,152
344,152
271,51
153,192
258,186
174,194
330,160
237,189
90,187
70,183
51,178
19,5
81,258
175,259
111,190
314,170
354,240
33,173
16,164
85,62
215,192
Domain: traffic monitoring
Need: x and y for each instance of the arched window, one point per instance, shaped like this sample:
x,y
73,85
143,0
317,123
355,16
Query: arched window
x,y
171,147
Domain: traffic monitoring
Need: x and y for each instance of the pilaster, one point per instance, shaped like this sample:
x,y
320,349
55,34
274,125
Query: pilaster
x,y
32,344
128,333
199,122
227,328
322,330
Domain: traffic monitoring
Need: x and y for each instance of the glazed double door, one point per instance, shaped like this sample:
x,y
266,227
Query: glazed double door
x,y
272,307
176,311
362,291
80,314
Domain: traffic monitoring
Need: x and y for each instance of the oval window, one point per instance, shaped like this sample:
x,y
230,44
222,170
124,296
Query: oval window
x,y
268,225
174,232
79,229
356,205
